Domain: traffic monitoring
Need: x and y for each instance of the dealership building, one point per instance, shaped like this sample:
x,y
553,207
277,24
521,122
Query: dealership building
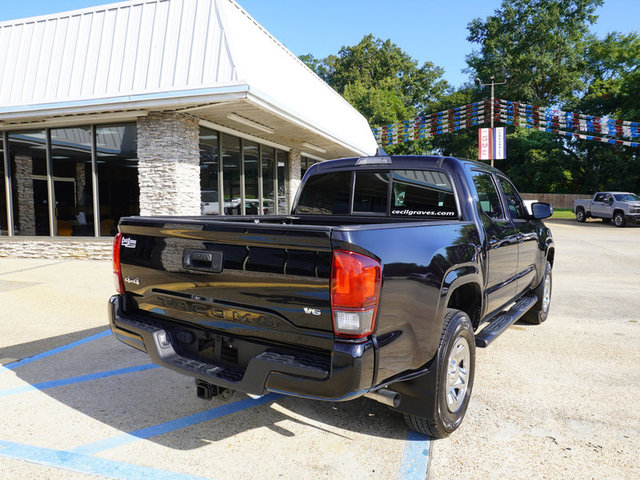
x,y
154,107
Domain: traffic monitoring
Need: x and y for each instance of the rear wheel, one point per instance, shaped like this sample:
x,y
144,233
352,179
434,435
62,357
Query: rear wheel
x,y
580,215
540,311
454,369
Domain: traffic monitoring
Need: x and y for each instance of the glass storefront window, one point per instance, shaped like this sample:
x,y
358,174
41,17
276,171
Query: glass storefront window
x,y
209,201
73,181
231,174
3,197
283,181
251,178
27,150
305,163
117,156
268,202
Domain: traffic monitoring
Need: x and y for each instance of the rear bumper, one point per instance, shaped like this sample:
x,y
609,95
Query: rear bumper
x,y
344,373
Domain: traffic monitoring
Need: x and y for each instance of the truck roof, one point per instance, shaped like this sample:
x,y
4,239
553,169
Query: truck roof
x,y
396,161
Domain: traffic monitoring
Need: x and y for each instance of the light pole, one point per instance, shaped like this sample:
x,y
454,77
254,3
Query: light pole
x,y
493,84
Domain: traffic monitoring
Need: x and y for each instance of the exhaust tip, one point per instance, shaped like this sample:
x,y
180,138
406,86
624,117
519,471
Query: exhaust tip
x,y
385,396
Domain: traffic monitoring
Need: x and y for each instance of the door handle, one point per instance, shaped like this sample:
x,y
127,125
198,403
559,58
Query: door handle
x,y
202,260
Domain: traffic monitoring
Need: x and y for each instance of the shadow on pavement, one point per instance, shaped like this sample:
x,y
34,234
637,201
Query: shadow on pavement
x,y
14,353
136,401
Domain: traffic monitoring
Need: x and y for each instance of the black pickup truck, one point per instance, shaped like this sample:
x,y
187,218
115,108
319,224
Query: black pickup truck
x,y
381,283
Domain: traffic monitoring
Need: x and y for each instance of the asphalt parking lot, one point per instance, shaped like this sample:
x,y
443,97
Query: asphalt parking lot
x,y
557,400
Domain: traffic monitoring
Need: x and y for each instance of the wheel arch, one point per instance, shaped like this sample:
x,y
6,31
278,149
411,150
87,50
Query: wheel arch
x,y
551,255
462,291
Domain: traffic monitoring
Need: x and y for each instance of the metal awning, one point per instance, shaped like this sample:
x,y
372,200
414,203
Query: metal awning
x,y
205,57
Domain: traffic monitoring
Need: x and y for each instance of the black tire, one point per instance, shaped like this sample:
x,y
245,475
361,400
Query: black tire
x,y
581,217
606,220
540,311
454,366
619,220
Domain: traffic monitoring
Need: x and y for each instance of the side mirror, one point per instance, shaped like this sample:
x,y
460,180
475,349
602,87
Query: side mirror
x,y
540,210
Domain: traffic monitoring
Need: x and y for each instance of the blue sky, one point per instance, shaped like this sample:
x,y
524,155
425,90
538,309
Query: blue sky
x,y
429,30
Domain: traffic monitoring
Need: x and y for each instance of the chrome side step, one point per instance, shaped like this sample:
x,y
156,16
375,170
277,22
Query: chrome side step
x,y
504,320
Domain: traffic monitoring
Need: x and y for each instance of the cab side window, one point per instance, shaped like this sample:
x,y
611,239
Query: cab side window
x,y
514,202
487,194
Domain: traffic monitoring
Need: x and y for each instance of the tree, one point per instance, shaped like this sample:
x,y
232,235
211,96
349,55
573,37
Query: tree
x,y
380,80
538,44
610,76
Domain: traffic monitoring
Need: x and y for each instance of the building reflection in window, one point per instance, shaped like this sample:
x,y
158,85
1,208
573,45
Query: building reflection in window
x,y
268,202
283,181
209,201
73,181
3,198
116,150
231,174
251,178
27,150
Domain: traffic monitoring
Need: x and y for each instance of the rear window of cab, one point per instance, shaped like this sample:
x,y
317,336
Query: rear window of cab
x,y
396,193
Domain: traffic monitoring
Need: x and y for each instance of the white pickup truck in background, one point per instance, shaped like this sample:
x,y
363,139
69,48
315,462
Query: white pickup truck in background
x,y
621,207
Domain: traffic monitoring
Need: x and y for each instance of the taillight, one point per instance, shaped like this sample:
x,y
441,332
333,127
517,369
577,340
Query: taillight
x,y
355,293
117,271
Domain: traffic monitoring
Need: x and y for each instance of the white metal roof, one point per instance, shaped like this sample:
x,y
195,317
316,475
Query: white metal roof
x,y
206,57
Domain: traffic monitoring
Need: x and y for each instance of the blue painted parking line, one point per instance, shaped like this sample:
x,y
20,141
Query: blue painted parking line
x,y
87,464
25,361
415,461
70,381
173,425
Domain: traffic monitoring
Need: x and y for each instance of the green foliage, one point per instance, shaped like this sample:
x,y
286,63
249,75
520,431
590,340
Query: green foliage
x,y
539,162
380,80
550,57
538,44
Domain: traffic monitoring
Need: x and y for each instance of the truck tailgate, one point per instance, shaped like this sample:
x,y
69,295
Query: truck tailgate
x,y
239,277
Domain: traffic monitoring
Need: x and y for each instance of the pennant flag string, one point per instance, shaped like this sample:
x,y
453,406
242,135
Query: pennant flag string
x,y
510,113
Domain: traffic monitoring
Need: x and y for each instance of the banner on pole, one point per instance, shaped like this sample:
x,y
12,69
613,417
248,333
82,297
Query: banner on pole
x,y
484,144
499,143
492,145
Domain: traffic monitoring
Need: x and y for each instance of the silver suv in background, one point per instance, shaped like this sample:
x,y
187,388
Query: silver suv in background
x,y
621,207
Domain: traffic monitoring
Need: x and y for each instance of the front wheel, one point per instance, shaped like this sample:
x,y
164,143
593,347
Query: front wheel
x,y
454,370
619,220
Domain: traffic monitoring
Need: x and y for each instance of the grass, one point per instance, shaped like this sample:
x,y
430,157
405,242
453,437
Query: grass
x,y
563,213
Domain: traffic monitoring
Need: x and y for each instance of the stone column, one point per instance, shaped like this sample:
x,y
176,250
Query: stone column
x,y
169,164
295,175
24,184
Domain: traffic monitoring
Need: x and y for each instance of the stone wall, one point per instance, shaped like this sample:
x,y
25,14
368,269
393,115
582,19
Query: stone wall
x,y
24,183
169,164
52,248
